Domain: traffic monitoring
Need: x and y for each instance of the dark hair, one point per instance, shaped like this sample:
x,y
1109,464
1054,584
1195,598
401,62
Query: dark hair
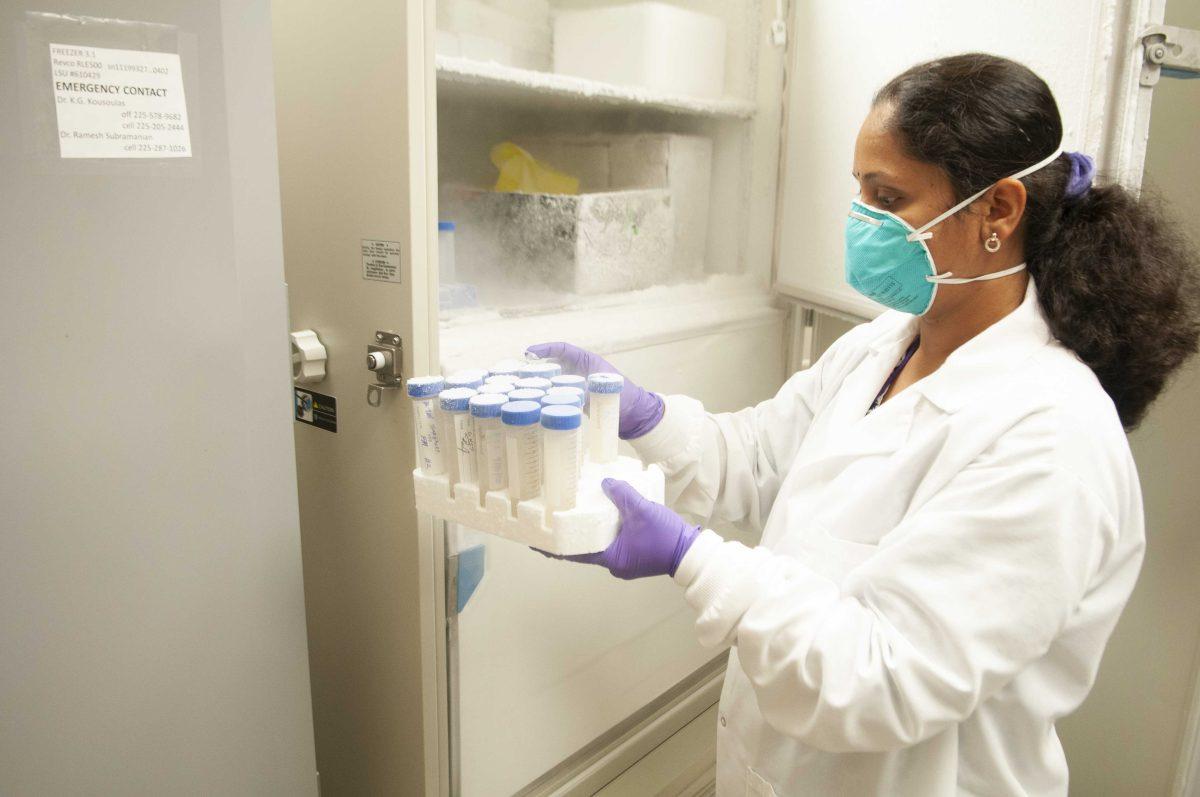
x,y
1116,280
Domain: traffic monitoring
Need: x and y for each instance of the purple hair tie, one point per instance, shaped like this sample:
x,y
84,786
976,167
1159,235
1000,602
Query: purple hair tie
x,y
1083,168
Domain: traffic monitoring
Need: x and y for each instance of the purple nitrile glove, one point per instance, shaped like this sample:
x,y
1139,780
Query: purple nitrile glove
x,y
651,541
641,410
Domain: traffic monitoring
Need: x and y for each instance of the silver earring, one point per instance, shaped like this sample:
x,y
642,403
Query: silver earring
x,y
992,244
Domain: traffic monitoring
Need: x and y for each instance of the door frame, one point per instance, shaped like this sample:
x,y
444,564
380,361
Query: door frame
x,y
354,171
1187,770
423,354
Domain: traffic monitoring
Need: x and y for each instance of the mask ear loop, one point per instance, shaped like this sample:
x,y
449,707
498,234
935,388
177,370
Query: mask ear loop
x,y
923,234
949,279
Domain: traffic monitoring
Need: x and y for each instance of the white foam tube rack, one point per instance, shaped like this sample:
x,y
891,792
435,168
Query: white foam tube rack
x,y
590,526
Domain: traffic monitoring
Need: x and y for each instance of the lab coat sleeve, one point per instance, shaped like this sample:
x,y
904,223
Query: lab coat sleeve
x,y
969,589
727,467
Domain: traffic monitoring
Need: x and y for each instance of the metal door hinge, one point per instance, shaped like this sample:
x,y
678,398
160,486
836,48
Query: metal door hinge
x,y
1173,52
386,358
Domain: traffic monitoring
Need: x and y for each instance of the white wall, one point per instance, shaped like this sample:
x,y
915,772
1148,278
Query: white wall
x,y
1126,738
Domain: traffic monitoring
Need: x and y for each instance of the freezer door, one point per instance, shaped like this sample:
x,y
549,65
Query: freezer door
x,y
354,108
152,635
840,53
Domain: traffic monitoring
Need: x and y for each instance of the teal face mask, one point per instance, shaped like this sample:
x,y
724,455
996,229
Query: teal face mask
x,y
887,260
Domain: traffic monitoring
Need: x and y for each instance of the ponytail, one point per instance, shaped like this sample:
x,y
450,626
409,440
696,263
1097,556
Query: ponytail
x,y
1116,280
1118,286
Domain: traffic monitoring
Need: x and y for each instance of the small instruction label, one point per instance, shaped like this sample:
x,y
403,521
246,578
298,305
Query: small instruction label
x,y
381,260
316,409
119,103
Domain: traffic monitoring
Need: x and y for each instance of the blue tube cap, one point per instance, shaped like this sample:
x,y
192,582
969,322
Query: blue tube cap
x,y
507,367
535,382
456,399
542,369
526,394
487,405
471,378
562,400
520,413
605,383
563,418
445,226
498,388
425,386
569,380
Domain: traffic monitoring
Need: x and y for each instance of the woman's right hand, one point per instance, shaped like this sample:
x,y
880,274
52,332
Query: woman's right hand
x,y
641,410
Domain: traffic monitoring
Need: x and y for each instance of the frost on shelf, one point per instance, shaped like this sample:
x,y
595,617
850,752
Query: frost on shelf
x,y
582,244
604,323
528,308
484,74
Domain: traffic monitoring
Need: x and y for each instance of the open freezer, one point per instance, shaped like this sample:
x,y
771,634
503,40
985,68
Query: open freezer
x,y
601,199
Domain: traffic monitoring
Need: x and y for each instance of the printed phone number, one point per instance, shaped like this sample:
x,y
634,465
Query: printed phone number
x,y
155,148
164,115
157,126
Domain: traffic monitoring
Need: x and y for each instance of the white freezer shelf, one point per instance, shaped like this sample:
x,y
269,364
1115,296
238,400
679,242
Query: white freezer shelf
x,y
512,85
587,528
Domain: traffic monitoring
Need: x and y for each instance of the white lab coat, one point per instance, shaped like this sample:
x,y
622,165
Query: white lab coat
x,y
936,580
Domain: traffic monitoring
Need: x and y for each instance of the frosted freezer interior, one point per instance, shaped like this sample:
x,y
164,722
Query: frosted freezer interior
x,y
628,211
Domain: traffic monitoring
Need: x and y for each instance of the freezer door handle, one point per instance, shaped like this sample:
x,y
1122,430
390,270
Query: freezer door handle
x,y
308,357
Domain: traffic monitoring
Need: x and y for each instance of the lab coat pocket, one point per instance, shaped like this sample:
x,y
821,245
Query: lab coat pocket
x,y
834,557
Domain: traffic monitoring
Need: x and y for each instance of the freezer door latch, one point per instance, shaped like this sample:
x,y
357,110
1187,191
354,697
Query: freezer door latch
x,y
1170,52
308,357
386,358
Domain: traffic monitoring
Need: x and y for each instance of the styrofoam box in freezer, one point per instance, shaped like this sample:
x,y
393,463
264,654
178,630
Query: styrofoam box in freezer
x,y
587,528
682,164
512,33
653,45
582,243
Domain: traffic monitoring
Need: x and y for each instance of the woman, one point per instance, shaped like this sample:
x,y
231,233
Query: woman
x,y
951,517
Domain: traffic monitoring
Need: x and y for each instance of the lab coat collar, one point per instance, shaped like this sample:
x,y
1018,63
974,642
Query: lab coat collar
x,y
972,369
896,338
991,355
853,432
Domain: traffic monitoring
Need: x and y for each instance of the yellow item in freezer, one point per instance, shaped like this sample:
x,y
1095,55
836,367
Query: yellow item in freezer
x,y
520,172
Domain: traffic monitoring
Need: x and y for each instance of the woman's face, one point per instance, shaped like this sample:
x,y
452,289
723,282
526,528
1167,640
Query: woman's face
x,y
917,192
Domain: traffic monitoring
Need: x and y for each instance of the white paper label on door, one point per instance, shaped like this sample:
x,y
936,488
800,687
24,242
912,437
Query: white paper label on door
x,y
119,103
381,260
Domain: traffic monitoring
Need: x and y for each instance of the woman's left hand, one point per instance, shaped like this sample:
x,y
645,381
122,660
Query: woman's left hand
x,y
651,541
